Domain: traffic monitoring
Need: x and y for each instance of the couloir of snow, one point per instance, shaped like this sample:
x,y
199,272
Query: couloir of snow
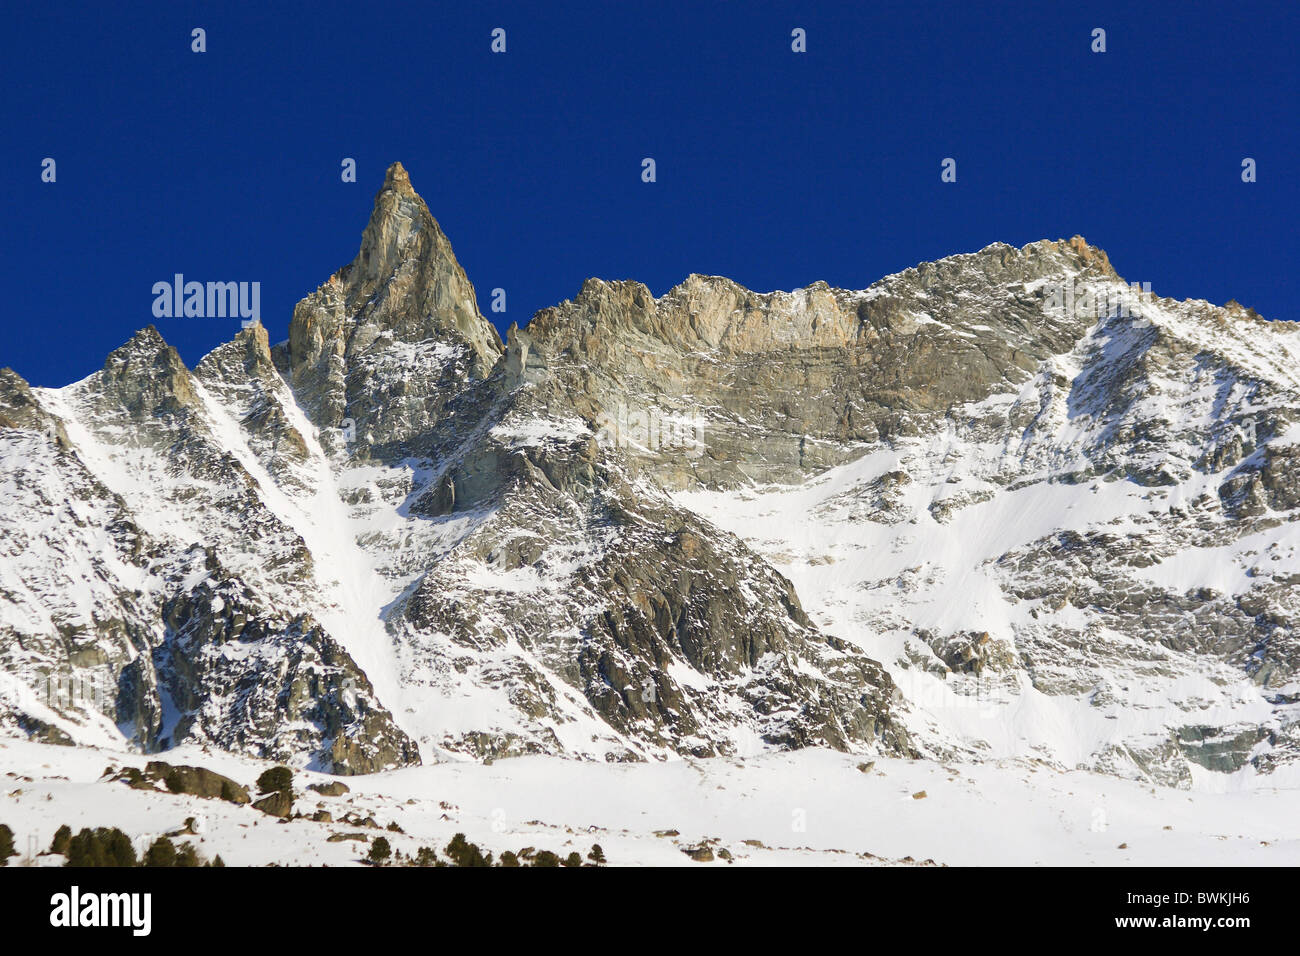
x,y
802,807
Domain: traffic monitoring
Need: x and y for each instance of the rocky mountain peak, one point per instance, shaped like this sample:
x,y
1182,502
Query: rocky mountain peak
x,y
404,289
146,377
397,178
147,343
1087,254
14,389
18,407
402,230
250,349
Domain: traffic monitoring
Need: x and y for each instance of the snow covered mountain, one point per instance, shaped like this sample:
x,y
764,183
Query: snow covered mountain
x,y
997,506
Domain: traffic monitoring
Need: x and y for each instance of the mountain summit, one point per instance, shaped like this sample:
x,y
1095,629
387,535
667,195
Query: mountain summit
x,y
404,299
999,506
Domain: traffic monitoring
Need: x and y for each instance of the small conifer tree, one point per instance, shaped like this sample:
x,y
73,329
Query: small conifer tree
x,y
162,852
6,845
276,780
380,851
62,837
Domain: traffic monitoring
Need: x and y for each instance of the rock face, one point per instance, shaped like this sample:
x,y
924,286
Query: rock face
x,y
787,384
954,514
391,339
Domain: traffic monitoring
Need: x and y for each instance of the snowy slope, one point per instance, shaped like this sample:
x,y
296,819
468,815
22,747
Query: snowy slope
x,y
812,807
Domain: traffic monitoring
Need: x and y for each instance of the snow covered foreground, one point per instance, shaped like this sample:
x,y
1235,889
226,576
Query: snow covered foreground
x,y
810,807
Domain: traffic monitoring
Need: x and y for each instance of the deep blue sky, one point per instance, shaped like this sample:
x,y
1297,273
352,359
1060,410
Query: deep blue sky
x,y
774,168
